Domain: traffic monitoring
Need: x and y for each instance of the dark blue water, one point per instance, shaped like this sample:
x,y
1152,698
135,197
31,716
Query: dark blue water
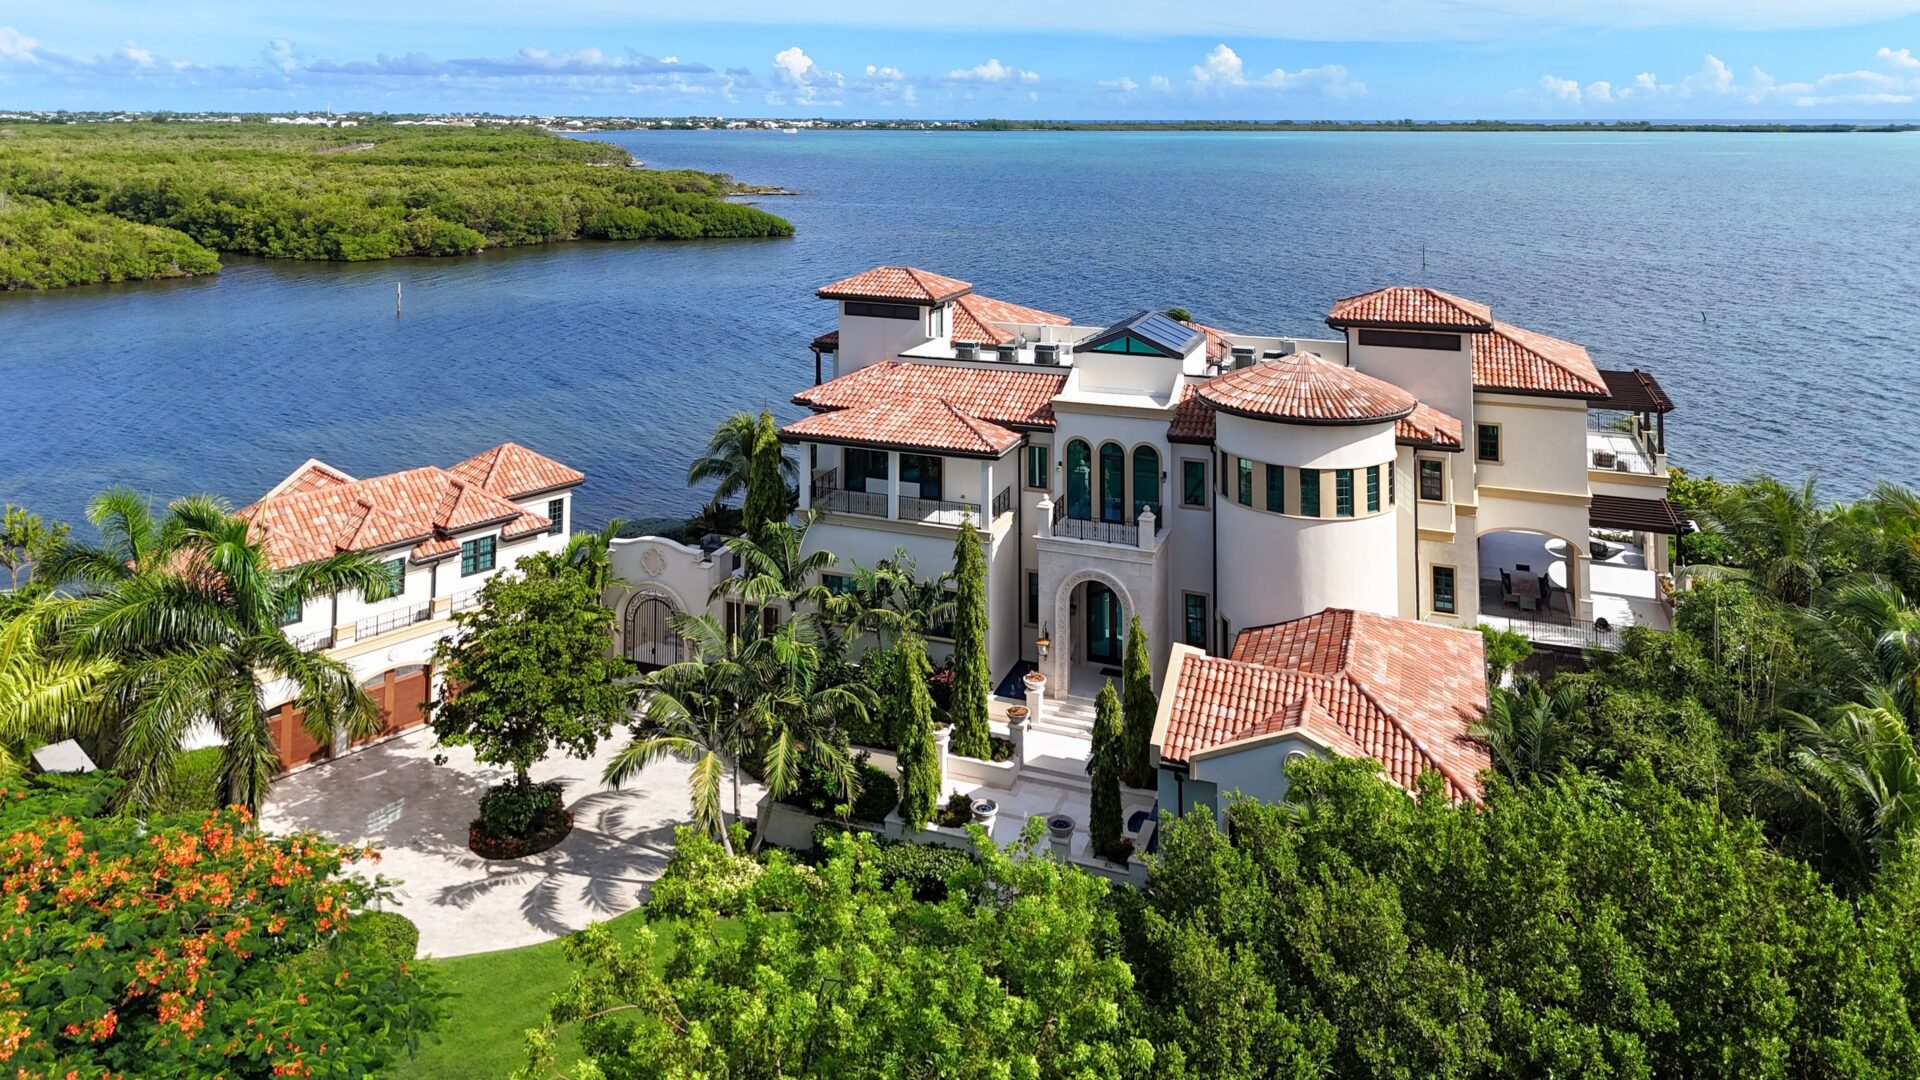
x,y
1770,280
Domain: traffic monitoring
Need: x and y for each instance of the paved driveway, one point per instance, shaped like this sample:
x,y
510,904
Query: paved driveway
x,y
395,796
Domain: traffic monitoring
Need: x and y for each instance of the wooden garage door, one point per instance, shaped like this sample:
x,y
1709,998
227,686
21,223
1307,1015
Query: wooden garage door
x,y
290,737
399,693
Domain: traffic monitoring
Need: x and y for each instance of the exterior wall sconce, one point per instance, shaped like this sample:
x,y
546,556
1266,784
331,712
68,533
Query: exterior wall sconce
x,y
1044,641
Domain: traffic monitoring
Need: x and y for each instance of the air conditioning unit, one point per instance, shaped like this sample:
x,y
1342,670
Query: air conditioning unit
x,y
1273,354
1009,354
966,350
1046,354
1242,356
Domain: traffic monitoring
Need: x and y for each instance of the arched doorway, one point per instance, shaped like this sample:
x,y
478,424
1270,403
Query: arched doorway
x,y
1079,480
1104,635
1113,483
1529,575
400,695
652,642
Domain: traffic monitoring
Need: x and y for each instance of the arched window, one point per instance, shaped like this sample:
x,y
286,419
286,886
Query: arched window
x,y
1146,481
1079,480
1113,482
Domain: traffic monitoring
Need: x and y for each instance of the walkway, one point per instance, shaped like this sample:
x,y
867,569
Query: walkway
x,y
395,796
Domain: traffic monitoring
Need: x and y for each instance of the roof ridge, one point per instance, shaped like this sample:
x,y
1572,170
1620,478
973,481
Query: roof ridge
x,y
1433,760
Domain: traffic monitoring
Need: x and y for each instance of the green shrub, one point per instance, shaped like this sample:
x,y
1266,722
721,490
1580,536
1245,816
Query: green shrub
x,y
195,785
387,932
925,868
514,810
818,792
700,876
27,800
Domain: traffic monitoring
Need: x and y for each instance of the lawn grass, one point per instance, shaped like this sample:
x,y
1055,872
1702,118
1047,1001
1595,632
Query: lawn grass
x,y
495,998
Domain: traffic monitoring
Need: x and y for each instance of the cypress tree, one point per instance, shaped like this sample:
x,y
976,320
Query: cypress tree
x,y
1140,705
972,684
1103,764
912,710
766,486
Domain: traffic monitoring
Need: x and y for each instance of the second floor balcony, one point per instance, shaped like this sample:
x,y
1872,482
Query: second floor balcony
x,y
1148,525
914,502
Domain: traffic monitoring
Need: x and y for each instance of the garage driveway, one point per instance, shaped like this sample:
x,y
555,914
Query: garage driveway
x,y
394,796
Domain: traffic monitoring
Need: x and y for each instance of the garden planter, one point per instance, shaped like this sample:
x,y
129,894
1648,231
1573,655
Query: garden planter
x,y
1060,827
984,811
555,829
1017,715
1034,680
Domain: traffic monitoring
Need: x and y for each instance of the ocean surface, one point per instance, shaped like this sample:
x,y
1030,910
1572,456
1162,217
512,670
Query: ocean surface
x,y
1770,281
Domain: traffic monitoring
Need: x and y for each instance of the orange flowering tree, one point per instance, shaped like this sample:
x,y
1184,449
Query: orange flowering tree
x,y
189,949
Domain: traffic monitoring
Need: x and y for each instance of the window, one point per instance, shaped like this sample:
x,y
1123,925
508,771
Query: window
x,y
920,475
1309,492
1343,492
1079,480
1276,489
881,311
937,323
1433,480
1039,469
1243,481
1486,445
1443,589
1410,339
1226,470
1146,481
1195,633
557,514
864,465
1193,483
1113,482
476,556
837,584
396,578
1373,489
1033,598
291,613
1393,485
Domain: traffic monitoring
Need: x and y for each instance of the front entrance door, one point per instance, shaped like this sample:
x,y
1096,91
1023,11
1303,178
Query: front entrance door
x,y
652,642
1103,624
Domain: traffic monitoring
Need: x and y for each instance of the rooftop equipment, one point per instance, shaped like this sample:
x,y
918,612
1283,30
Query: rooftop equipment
x,y
966,350
1048,354
1009,354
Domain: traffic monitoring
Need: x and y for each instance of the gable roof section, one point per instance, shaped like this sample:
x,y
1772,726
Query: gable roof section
x,y
1303,388
311,475
1524,362
515,472
918,424
1010,398
974,317
1428,428
1158,333
1405,693
1411,307
896,283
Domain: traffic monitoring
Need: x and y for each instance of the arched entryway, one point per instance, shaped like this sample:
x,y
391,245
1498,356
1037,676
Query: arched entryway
x,y
1531,575
1091,611
401,696
651,640
1100,624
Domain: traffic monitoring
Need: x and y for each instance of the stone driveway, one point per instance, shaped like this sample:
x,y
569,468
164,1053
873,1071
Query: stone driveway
x,y
394,796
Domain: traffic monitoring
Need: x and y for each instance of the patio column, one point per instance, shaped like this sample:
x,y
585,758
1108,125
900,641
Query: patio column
x,y
806,475
1580,584
893,485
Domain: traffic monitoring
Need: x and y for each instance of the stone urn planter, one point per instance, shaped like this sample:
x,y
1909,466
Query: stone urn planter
x,y
1060,827
984,811
1017,715
1034,680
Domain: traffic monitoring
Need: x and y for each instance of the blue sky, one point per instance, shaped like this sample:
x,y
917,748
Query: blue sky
x,y
1067,59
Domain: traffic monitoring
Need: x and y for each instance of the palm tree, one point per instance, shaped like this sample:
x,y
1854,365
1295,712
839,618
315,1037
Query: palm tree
x,y
1858,777
593,552
890,598
1529,729
39,691
131,543
728,459
1781,537
1867,635
193,630
795,712
776,569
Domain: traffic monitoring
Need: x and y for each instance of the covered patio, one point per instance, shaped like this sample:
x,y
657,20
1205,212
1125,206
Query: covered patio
x,y
1524,587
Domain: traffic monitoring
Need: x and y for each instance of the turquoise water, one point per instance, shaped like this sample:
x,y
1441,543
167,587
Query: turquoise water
x,y
1770,281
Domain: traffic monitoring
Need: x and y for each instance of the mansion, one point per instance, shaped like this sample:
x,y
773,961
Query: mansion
x,y
1309,529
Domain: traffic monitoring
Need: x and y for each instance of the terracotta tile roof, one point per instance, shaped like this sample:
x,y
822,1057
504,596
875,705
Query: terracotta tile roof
x,y
513,471
1411,306
1304,388
1192,419
310,476
1428,426
1526,362
827,342
1405,693
919,424
1011,398
974,316
896,283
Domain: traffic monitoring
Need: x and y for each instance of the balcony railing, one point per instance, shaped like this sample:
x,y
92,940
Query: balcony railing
x,y
465,600
1003,503
319,639
394,620
1124,533
936,511
1620,451
829,496
1563,632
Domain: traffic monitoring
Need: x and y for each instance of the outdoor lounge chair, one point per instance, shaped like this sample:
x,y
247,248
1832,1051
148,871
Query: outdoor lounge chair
x,y
1506,589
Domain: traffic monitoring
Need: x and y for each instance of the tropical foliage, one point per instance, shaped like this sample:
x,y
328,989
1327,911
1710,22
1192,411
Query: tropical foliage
x,y
1139,704
113,202
972,682
190,949
911,707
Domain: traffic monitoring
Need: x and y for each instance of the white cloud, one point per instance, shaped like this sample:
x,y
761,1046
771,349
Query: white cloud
x,y
136,54
993,71
805,81
1716,82
15,45
1900,58
1160,82
279,53
1222,71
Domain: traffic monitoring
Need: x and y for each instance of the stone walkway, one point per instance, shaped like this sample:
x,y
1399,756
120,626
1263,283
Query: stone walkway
x,y
417,812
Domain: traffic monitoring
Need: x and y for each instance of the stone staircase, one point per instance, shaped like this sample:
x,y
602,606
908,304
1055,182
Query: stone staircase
x,y
1066,715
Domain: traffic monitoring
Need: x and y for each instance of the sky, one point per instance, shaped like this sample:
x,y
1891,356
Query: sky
x,y
1800,60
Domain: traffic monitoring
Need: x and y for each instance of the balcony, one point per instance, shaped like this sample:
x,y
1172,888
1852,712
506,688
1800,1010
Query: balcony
x,y
1620,452
319,639
829,496
1120,533
393,620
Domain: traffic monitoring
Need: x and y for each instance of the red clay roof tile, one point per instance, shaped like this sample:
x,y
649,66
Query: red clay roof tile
x,y
1429,427
1304,388
1411,306
919,424
513,471
1527,362
1012,398
896,283
974,317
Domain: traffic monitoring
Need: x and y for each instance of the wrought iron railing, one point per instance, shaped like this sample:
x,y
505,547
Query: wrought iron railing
x,y
466,600
1003,502
319,639
837,500
394,620
1562,632
937,511
1124,533
825,480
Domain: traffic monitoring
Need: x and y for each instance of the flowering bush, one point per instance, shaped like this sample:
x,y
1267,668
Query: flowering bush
x,y
200,950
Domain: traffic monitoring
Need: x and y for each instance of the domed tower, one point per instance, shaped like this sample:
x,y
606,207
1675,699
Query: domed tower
x,y
1305,518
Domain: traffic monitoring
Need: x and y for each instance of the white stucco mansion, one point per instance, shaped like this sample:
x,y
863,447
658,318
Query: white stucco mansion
x,y
1426,466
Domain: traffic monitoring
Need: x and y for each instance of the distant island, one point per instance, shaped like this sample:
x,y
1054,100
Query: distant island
x,y
84,202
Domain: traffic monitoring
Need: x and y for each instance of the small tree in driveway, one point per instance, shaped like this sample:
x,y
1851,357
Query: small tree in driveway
x,y
1140,705
972,683
533,674
1103,765
912,710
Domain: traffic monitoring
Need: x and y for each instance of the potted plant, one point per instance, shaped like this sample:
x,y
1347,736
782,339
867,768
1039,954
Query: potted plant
x,y
1017,715
984,811
1034,680
1060,826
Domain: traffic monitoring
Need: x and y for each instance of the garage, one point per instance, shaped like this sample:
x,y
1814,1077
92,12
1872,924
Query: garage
x,y
400,695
